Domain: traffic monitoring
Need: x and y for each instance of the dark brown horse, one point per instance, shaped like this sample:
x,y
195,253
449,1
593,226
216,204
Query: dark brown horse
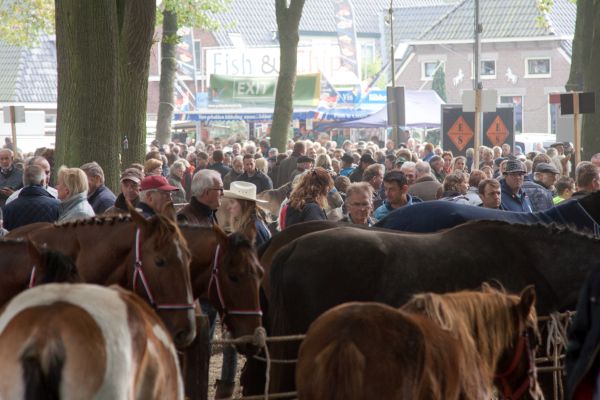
x,y
24,265
453,350
85,342
149,257
323,269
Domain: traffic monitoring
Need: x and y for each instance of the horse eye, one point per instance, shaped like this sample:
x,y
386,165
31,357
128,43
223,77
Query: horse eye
x,y
160,262
233,278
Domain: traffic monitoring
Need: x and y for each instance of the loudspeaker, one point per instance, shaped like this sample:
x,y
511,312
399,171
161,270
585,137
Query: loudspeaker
x,y
396,112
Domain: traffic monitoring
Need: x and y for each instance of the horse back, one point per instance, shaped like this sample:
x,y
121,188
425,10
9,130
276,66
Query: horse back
x,y
371,350
35,346
132,351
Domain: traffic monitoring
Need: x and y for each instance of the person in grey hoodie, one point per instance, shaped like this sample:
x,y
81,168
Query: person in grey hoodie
x,y
72,186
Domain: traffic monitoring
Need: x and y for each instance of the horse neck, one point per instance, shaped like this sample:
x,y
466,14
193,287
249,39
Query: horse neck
x,y
202,243
486,331
104,253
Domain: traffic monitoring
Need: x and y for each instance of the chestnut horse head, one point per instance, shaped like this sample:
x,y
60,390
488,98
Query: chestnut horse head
x,y
160,274
88,341
499,329
226,271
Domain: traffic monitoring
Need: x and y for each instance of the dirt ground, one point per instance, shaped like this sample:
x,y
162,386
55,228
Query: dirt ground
x,y
216,361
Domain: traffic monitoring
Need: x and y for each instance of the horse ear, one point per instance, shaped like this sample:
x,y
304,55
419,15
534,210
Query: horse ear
x,y
527,302
137,218
35,254
221,235
168,211
250,232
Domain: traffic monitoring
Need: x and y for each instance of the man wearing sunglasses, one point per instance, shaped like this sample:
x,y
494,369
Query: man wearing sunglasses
x,y
207,193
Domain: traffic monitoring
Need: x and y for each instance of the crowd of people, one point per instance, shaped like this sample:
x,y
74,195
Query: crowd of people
x,y
357,183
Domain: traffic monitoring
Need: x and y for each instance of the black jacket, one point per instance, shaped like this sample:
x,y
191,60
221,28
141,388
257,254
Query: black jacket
x,y
262,181
581,363
34,204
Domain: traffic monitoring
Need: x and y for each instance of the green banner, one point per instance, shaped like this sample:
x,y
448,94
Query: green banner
x,y
225,89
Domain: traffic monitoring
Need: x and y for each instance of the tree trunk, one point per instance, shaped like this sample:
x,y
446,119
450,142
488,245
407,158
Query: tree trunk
x,y
288,20
167,77
579,57
590,140
136,31
87,80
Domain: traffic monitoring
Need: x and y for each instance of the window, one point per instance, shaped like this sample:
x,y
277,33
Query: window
x,y
428,70
517,101
487,69
537,67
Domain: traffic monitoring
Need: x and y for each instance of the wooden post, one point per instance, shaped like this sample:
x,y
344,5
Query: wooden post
x,y
13,127
477,127
576,128
195,369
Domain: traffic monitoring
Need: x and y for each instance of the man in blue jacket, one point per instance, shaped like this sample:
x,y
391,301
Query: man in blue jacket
x,y
513,196
100,197
34,203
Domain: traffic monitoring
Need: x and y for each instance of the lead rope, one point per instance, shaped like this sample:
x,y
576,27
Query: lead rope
x,y
32,278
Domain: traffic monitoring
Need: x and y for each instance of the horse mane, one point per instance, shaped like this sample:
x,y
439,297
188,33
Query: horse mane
x,y
467,315
58,268
552,228
97,220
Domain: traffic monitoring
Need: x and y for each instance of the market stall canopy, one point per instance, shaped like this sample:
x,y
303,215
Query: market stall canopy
x,y
423,110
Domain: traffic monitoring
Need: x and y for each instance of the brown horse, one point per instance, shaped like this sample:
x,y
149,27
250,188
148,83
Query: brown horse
x,y
82,342
24,265
226,271
149,257
453,350
224,268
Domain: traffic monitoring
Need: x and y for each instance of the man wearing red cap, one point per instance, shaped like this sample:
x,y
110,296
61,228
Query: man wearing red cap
x,y
155,192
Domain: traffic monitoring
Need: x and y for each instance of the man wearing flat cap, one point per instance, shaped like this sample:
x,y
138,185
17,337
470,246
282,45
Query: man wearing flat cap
x,y
513,196
365,160
540,189
130,191
303,163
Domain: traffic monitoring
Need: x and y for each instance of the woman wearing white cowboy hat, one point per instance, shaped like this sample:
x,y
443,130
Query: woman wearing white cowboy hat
x,y
243,210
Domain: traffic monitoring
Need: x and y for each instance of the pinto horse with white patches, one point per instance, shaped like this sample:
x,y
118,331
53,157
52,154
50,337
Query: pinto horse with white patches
x,y
85,342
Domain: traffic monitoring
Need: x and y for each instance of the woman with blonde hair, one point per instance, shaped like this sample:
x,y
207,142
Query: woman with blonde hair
x,y
153,167
72,187
309,198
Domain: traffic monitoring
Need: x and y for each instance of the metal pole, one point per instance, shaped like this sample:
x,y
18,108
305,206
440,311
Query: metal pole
x,y
576,129
13,127
477,86
395,127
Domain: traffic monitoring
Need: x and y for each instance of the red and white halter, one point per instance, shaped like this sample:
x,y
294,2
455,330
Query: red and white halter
x,y
214,281
139,272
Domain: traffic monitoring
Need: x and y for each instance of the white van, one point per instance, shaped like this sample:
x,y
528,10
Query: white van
x,y
533,141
